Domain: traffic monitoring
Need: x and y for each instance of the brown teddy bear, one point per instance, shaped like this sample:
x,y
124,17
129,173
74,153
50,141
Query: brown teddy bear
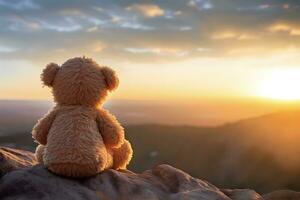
x,y
78,138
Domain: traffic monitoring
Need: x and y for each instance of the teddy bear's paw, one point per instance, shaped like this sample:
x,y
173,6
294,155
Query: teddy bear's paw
x,y
114,140
122,156
39,153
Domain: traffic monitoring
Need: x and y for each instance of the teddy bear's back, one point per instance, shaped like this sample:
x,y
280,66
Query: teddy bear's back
x,y
74,137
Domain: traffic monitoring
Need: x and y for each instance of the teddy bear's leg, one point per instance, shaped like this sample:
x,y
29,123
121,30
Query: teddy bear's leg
x,y
39,153
122,156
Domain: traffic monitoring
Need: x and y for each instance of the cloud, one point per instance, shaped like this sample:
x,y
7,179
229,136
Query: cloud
x,y
148,10
178,12
110,20
20,5
93,29
141,50
135,25
158,51
17,23
285,28
72,12
67,25
95,20
202,49
264,6
170,14
286,6
248,50
185,28
98,46
116,19
98,8
200,4
179,30
7,49
223,35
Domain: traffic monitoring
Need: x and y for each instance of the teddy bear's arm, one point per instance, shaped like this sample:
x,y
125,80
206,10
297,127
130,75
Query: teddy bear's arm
x,y
110,129
41,129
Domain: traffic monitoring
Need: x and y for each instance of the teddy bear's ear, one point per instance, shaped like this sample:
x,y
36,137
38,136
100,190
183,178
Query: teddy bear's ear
x,y
49,74
111,78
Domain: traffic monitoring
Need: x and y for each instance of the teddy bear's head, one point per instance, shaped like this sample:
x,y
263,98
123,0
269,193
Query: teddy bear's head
x,y
79,81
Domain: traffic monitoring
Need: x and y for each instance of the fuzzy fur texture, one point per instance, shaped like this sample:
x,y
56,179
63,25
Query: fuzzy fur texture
x,y
78,138
49,74
111,78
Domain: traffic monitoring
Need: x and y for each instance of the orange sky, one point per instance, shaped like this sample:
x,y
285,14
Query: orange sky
x,y
191,79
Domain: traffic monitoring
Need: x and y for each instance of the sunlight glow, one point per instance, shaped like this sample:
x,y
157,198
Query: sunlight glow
x,y
281,85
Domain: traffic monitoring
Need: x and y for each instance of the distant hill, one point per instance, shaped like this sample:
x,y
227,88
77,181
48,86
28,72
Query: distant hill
x,y
20,113
17,116
261,153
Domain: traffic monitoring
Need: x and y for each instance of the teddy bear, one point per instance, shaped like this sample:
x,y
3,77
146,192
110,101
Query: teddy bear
x,y
77,137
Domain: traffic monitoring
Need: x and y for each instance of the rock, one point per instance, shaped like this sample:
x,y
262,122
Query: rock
x,y
282,195
162,182
12,159
242,194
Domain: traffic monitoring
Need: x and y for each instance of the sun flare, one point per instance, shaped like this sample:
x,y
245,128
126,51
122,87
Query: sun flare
x,y
281,85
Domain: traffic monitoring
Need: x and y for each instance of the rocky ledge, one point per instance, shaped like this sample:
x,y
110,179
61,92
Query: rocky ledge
x,y
22,178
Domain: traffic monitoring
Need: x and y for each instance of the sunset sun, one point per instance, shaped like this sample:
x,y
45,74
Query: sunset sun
x,y
281,85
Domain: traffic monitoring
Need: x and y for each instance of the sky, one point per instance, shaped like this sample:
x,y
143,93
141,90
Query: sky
x,y
163,50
